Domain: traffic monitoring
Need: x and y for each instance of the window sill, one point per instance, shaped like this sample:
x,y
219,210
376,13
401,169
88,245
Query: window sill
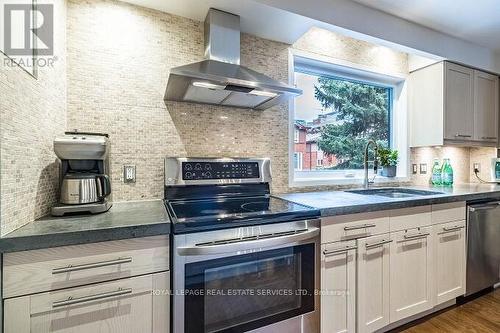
x,y
379,180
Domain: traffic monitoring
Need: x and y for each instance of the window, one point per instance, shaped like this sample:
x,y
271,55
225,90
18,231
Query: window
x,y
296,136
297,161
339,111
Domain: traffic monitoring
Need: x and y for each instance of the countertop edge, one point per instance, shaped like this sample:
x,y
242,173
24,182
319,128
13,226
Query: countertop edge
x,y
388,205
36,242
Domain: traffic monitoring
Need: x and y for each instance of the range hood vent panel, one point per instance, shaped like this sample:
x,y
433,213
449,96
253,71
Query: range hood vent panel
x,y
220,80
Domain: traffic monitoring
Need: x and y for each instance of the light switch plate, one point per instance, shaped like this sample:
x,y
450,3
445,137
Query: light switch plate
x,y
423,168
129,173
414,169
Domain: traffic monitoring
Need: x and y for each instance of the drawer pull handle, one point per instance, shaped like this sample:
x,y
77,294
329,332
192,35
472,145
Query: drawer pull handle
x,y
71,268
344,249
419,235
374,245
463,135
364,226
489,137
70,300
455,228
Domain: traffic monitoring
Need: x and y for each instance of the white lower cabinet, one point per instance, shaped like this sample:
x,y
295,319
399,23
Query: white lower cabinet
x,y
373,283
338,286
125,305
449,263
391,276
411,273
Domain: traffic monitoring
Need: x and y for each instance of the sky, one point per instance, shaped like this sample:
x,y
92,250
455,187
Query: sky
x,y
306,106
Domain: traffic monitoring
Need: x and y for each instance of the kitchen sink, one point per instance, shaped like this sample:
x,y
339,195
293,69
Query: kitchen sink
x,y
394,192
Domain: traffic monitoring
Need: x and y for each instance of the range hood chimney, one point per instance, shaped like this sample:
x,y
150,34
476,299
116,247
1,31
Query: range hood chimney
x,y
220,79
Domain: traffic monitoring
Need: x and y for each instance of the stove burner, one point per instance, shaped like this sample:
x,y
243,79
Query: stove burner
x,y
256,206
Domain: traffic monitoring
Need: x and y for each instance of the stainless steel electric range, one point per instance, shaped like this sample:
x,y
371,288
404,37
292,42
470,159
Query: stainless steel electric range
x,y
243,260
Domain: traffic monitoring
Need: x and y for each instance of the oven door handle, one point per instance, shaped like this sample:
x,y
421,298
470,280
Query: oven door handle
x,y
244,245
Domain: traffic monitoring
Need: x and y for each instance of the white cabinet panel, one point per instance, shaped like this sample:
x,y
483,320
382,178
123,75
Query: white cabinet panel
x,y
121,306
485,106
338,286
411,273
459,90
373,283
62,267
347,227
449,263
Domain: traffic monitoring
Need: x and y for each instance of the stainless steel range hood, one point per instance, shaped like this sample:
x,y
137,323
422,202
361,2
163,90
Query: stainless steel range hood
x,y
221,80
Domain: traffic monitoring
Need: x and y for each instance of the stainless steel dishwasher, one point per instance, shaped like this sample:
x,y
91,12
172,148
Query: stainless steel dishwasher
x,y
483,246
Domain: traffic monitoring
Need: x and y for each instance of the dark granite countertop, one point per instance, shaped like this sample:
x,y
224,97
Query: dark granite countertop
x,y
340,203
124,220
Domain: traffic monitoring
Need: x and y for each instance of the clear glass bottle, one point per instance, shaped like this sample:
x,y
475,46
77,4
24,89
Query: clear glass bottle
x,y
436,173
446,173
497,170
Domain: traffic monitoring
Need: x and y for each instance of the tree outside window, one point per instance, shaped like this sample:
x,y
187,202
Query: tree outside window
x,y
341,116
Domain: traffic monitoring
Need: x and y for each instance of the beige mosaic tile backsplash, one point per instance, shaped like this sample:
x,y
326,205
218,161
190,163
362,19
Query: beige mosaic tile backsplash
x,y
32,113
349,50
116,85
462,161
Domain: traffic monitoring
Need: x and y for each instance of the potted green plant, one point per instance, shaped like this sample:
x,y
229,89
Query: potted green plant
x,y
388,159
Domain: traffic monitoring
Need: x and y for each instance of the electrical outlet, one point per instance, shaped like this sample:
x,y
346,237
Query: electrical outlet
x,y
477,166
129,173
423,168
414,169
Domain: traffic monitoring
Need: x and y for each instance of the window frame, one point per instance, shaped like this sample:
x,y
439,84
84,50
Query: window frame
x,y
314,64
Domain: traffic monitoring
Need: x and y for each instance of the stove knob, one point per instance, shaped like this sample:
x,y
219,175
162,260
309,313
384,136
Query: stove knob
x,y
189,167
208,167
197,166
188,175
208,174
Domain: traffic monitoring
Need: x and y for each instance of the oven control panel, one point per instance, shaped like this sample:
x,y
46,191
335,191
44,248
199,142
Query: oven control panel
x,y
219,170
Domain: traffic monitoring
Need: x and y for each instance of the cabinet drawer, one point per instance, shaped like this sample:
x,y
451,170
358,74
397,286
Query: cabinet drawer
x,y
345,227
454,211
36,271
125,305
407,218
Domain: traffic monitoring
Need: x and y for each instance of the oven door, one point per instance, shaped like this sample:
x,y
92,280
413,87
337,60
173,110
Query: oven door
x,y
264,288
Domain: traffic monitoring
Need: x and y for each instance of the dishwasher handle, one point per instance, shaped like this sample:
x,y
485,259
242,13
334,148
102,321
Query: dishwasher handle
x,y
486,206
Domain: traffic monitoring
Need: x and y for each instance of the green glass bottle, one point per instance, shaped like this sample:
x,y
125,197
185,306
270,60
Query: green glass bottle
x,y
446,173
436,173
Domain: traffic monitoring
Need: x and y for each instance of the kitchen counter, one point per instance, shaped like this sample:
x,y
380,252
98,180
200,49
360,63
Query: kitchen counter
x,y
341,203
124,220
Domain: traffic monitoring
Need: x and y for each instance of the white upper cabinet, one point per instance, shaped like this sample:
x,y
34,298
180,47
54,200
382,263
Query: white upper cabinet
x,y
458,102
485,106
453,104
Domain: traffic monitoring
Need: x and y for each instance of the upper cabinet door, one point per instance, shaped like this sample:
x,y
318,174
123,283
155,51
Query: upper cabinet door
x,y
485,107
459,115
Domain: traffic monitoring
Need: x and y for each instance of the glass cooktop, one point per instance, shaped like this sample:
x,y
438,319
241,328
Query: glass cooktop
x,y
217,213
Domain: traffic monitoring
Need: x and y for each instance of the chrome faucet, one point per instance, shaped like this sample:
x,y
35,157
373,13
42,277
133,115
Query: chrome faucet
x,y
366,182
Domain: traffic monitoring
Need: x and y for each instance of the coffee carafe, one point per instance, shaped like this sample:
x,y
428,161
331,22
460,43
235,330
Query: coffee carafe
x,y
84,178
